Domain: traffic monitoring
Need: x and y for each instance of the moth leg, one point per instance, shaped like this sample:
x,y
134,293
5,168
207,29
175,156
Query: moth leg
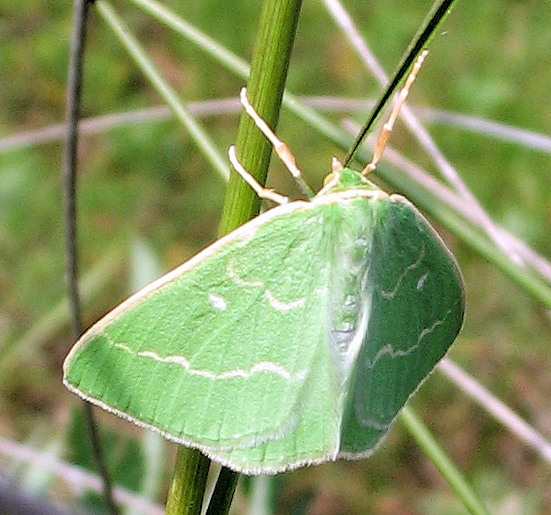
x,y
389,125
262,192
281,148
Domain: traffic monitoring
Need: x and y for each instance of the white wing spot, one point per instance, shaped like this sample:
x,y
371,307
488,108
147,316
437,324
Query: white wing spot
x,y
218,303
268,367
282,306
422,280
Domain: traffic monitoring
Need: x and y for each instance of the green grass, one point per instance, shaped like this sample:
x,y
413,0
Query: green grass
x,y
149,180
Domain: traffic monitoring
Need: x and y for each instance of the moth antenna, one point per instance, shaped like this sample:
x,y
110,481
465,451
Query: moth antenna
x,y
281,148
389,125
262,192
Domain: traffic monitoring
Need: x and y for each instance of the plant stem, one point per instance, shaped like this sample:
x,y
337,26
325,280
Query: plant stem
x,y
222,495
188,483
69,180
265,87
438,456
265,91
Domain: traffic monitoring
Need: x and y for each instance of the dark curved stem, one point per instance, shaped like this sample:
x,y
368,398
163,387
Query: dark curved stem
x,y
420,41
70,158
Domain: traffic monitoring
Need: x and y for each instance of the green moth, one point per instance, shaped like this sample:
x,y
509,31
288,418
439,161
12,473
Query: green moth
x,y
295,339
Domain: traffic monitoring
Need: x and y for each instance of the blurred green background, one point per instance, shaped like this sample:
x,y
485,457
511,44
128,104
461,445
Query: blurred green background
x,y
147,181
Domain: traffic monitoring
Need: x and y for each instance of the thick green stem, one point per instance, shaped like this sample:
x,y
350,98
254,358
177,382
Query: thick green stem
x,y
265,90
188,483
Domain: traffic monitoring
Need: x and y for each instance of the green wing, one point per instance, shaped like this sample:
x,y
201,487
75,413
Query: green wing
x,y
218,353
296,339
417,310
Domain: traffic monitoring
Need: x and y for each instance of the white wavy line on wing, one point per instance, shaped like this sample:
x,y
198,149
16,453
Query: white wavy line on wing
x,y
282,306
240,281
262,366
390,294
399,353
